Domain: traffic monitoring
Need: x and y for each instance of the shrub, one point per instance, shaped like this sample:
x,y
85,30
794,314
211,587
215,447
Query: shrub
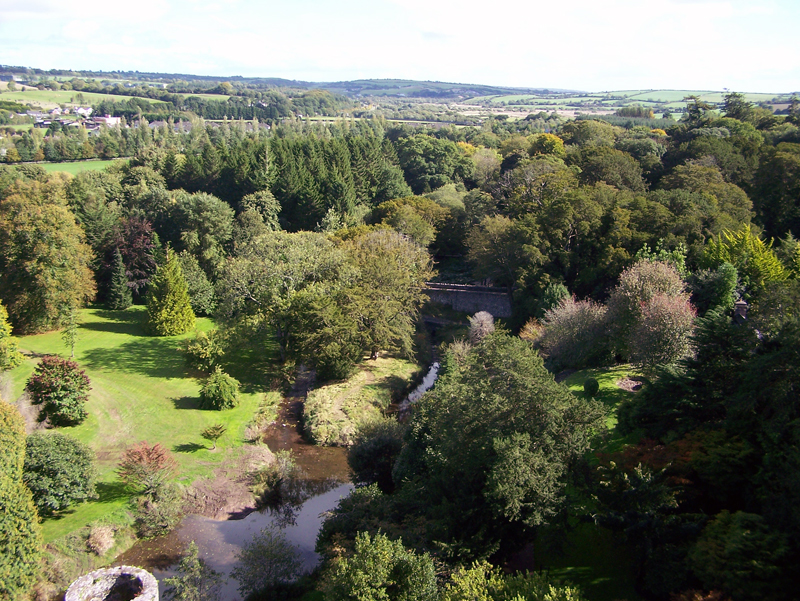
x,y
376,446
551,297
220,391
204,351
739,554
591,387
62,388
160,510
146,467
381,569
269,477
59,471
20,538
101,539
12,441
663,332
480,324
574,335
266,561
482,582
213,433
714,288
10,356
637,285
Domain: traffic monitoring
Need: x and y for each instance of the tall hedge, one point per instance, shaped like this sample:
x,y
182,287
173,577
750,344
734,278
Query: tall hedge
x,y
20,534
20,539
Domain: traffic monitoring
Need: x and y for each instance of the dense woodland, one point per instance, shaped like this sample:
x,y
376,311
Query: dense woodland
x,y
618,245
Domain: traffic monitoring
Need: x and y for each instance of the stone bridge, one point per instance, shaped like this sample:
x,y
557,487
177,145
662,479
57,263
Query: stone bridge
x,y
471,299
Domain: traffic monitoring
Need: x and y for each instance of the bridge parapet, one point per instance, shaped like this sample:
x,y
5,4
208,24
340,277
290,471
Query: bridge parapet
x,y
471,299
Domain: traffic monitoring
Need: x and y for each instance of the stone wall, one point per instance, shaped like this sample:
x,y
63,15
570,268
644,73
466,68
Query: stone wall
x,y
121,583
471,299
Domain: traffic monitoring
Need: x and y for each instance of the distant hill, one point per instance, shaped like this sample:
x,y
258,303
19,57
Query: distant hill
x,y
361,87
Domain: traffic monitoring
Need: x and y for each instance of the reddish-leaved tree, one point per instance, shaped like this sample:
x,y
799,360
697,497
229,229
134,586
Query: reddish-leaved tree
x,y
145,467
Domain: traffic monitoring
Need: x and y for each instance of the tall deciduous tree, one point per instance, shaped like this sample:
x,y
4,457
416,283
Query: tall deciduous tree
x,y
506,436
169,309
44,261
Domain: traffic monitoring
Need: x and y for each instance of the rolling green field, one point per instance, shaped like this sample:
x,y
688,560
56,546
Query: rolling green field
x,y
48,99
76,167
141,390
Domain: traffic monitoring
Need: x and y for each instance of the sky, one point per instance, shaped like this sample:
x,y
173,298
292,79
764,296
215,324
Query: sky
x,y
591,45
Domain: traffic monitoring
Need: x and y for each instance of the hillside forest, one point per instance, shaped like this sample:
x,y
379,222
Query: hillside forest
x,y
668,251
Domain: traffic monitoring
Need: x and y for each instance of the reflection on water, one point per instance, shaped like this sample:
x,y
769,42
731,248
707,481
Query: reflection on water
x,y
219,541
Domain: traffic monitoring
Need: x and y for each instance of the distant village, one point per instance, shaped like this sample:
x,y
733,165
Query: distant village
x,y
83,114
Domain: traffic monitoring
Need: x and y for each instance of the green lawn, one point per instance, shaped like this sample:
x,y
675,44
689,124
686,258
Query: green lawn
x,y
595,558
141,390
76,167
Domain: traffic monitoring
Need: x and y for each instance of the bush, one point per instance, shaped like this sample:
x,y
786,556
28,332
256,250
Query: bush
x,y
10,356
59,471
375,448
101,539
62,388
146,467
574,335
160,510
480,324
220,391
591,387
663,332
205,351
20,538
482,582
551,297
381,569
12,441
268,478
739,554
637,286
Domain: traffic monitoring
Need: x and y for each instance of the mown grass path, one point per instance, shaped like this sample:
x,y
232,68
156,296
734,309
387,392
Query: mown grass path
x,y
141,390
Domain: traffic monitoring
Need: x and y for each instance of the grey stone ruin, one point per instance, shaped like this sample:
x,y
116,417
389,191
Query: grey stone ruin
x,y
120,583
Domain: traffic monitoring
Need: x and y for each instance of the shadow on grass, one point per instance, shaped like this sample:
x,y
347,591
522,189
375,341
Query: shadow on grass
x,y
108,492
186,402
188,447
149,356
119,322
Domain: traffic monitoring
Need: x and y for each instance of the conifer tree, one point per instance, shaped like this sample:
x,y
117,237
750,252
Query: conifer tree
x,y
10,356
20,533
169,309
119,295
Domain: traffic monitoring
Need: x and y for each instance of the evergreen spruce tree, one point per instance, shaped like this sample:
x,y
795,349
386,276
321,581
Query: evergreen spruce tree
x,y
119,295
10,356
169,309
